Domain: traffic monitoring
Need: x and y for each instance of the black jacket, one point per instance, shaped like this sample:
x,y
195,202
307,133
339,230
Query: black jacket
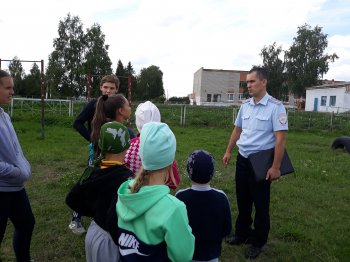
x,y
97,195
86,116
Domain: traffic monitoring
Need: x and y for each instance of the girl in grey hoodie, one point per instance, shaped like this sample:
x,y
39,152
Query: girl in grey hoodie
x,y
14,171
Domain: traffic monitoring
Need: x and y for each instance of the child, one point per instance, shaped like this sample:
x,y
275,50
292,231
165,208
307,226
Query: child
x,y
14,172
208,208
146,112
109,85
153,225
96,194
109,108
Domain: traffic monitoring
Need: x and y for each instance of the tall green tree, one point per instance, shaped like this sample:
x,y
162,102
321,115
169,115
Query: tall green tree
x,y
179,100
123,78
275,68
76,55
150,83
97,61
306,61
71,47
129,70
123,73
54,74
32,82
69,56
18,74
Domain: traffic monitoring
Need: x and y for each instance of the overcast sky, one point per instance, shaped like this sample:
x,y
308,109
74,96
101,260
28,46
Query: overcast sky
x,y
178,36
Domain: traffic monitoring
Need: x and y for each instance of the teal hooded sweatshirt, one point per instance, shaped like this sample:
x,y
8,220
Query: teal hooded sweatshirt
x,y
153,225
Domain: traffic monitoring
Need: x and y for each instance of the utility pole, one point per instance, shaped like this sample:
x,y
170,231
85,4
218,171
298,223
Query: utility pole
x,y
129,88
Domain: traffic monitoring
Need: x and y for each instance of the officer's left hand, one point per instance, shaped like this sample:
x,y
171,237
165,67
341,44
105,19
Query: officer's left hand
x,y
273,174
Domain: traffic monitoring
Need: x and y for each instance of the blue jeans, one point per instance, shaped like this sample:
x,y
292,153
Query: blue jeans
x,y
16,207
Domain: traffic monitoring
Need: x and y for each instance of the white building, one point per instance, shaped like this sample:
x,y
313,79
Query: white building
x,y
214,86
333,97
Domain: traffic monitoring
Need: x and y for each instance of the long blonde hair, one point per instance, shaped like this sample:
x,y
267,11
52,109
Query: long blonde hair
x,y
143,178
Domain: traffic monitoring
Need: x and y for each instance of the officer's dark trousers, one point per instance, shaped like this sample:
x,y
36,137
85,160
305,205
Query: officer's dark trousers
x,y
249,192
16,207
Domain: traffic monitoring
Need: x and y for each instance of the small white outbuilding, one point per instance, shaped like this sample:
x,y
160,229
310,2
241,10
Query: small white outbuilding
x,y
333,97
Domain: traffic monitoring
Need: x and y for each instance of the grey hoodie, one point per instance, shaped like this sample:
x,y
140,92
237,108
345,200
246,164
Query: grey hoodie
x,y
14,167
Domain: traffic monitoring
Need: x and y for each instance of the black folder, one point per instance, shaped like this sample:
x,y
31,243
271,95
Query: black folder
x,y
262,161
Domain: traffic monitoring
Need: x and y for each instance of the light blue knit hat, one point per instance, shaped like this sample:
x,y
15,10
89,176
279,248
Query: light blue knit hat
x,y
157,146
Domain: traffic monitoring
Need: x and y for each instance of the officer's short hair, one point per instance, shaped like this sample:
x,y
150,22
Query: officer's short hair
x,y
3,74
260,72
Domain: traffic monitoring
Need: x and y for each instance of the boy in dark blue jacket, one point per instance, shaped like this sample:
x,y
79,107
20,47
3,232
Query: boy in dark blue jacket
x,y
208,208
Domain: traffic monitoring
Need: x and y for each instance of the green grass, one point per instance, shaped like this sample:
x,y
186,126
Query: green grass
x,y
309,211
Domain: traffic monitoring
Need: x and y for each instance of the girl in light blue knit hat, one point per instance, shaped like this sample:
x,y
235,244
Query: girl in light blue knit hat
x,y
153,224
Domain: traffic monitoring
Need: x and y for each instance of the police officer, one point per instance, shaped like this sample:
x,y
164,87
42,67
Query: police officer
x,y
261,124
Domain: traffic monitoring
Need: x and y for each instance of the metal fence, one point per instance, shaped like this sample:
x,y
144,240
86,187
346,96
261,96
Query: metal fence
x,y
33,105
301,120
187,115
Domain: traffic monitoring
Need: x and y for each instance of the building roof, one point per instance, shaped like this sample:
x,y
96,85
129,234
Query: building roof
x,y
335,84
223,70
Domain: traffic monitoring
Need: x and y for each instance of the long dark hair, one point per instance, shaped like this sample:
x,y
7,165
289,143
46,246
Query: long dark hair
x,y
106,110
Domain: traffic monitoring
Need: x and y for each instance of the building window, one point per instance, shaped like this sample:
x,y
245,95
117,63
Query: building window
x,y
216,98
323,100
242,84
208,97
230,97
243,96
332,100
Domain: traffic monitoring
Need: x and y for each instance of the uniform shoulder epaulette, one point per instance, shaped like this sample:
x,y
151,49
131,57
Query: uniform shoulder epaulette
x,y
274,101
246,101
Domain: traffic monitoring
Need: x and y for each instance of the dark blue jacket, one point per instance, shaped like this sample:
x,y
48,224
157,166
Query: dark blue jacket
x,y
209,216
